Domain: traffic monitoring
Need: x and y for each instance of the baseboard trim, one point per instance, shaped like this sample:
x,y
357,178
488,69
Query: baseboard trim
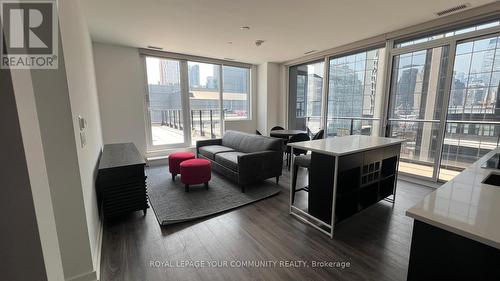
x,y
89,276
98,250
95,274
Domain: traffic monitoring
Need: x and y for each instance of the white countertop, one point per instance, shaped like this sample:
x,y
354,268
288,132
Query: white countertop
x,y
338,146
465,206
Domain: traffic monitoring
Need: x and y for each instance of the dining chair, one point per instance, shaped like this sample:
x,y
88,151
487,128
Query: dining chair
x,y
258,133
319,135
277,128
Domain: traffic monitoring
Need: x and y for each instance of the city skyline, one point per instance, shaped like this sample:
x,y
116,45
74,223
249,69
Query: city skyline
x,y
201,76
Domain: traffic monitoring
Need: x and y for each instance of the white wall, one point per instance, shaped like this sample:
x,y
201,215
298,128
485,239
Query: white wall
x,y
61,158
37,169
273,95
262,98
270,99
21,242
59,97
82,88
120,83
283,96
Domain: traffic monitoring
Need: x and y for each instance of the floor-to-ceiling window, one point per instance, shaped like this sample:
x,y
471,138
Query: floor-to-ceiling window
x,y
189,100
439,93
306,95
355,93
204,100
164,102
466,121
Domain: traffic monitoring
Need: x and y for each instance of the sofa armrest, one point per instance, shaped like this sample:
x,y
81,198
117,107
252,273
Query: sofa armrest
x,y
201,143
260,165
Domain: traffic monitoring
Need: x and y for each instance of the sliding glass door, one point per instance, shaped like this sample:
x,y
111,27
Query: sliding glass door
x,y
473,119
416,107
305,100
447,126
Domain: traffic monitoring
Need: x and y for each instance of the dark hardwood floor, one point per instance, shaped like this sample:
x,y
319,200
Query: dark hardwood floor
x,y
376,243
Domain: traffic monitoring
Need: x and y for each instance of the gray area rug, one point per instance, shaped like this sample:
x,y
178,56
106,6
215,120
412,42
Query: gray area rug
x,y
171,204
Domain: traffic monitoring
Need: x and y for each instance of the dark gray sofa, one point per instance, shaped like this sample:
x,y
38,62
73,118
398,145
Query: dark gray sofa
x,y
243,158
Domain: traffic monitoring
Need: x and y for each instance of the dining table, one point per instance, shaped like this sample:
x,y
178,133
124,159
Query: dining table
x,y
285,134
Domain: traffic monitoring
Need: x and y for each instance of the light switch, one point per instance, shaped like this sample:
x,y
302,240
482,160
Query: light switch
x,y
83,139
82,123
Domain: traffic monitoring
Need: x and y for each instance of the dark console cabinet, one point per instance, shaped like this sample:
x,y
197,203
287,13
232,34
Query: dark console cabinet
x,y
121,182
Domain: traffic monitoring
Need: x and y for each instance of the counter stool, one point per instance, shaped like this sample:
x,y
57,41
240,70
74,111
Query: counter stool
x,y
175,160
299,161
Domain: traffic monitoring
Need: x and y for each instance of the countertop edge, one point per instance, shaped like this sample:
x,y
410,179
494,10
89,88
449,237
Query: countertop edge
x,y
345,153
454,230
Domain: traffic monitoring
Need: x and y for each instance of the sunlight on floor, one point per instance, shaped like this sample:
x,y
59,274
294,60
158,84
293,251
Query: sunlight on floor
x,y
426,171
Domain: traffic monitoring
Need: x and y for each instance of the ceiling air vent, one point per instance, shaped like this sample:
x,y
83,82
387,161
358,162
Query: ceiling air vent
x,y
155,48
452,9
309,52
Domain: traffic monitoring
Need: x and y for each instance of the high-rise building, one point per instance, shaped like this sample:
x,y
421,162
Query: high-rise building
x,y
489,56
314,92
194,76
405,99
169,72
212,83
346,90
301,95
235,79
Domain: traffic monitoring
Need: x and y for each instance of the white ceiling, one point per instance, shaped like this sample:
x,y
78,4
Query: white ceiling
x,y
289,27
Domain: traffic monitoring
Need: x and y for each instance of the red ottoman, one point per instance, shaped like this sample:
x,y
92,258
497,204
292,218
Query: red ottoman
x,y
196,171
175,160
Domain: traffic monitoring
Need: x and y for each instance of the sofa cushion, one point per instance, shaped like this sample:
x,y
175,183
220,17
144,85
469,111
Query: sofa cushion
x,y
232,139
244,142
260,143
210,151
228,159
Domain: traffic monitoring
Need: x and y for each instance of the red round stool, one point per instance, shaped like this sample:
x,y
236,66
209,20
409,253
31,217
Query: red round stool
x,y
175,160
196,171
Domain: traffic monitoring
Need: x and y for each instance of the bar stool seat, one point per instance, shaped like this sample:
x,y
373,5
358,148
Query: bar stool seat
x,y
299,161
303,160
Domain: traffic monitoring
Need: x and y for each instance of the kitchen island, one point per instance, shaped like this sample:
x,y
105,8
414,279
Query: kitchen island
x,y
346,175
456,231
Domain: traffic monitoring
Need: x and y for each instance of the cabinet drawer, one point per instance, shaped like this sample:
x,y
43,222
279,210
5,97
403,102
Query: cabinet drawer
x,y
121,173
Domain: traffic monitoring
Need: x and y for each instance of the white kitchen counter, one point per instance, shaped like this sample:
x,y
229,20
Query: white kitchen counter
x,y
465,206
339,146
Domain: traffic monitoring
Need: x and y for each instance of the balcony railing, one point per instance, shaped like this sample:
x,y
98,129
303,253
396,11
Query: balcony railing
x,y
351,126
201,118
204,122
